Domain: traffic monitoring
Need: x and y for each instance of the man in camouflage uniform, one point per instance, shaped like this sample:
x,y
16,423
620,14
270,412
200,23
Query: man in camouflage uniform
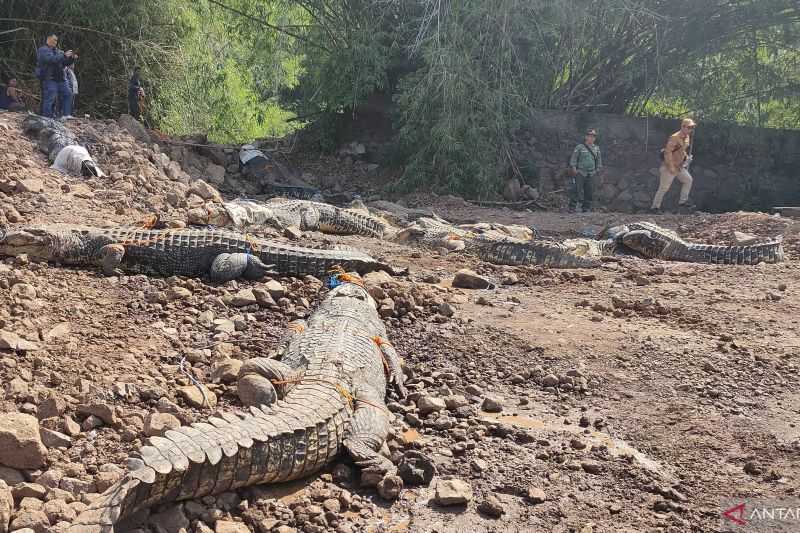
x,y
584,164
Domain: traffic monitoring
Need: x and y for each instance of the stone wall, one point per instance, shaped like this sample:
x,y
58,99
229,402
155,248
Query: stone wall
x,y
734,167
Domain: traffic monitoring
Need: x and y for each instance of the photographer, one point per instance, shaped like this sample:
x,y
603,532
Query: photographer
x,y
50,63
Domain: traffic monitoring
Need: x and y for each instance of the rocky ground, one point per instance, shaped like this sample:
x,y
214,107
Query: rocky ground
x,y
634,397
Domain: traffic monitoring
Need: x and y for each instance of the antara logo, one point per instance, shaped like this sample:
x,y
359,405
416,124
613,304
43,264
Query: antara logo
x,y
735,514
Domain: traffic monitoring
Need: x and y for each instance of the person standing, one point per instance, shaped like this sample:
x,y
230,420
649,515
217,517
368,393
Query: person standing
x,y
676,157
584,164
50,63
135,92
72,83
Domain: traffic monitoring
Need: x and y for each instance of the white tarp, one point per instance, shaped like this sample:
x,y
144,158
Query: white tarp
x,y
70,159
249,152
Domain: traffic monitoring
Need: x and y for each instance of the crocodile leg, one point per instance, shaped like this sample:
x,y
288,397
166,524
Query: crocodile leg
x,y
263,381
112,255
309,219
393,366
368,431
231,266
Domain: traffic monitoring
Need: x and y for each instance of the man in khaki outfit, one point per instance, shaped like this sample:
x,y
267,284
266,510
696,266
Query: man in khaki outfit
x,y
676,165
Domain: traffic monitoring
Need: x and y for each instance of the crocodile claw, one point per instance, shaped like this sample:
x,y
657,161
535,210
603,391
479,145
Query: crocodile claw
x,y
400,390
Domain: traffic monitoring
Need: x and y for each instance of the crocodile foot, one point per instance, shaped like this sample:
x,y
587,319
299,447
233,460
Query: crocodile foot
x,y
231,266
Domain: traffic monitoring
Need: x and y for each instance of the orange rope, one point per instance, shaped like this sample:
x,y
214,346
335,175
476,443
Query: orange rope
x,y
297,327
338,272
253,242
347,278
380,342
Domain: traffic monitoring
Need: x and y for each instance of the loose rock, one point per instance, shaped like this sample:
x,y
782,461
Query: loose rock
x,y
430,404
55,439
491,507
194,397
12,341
20,443
536,495
390,486
416,469
225,526
157,423
452,492
492,404
468,279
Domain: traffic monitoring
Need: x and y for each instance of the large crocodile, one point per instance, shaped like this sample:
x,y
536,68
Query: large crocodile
x,y
503,246
219,254
328,396
653,241
61,146
304,214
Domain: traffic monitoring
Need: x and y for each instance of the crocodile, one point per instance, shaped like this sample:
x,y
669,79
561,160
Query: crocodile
x,y
503,246
304,214
60,145
654,242
326,394
220,254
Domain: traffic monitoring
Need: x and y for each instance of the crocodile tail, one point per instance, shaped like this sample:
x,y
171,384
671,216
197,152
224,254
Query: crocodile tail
x,y
769,252
33,124
265,445
533,253
52,135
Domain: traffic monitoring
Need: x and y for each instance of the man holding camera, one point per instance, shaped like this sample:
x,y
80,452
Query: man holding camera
x,y
50,63
676,157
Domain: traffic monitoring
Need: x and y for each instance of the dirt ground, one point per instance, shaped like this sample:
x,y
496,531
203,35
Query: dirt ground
x,y
640,396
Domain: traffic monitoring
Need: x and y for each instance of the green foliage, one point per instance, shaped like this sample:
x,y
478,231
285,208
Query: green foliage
x,y
211,88
463,76
109,41
458,110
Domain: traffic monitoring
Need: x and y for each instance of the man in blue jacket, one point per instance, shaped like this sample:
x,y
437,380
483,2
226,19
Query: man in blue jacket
x,y
50,63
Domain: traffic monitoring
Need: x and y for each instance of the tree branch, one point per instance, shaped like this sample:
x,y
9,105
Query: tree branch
x,y
267,24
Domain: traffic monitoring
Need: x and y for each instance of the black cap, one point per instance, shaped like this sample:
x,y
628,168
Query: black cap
x,y
591,131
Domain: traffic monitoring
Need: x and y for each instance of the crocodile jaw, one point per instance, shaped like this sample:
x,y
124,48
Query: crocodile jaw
x,y
644,242
34,243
